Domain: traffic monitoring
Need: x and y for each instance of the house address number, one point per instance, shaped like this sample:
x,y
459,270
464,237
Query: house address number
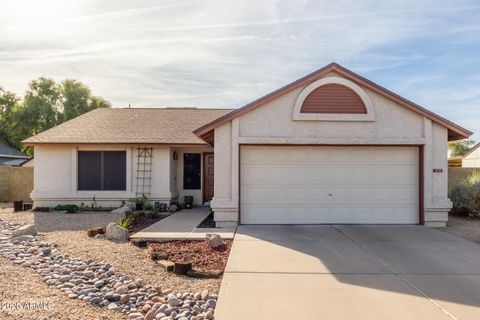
x,y
438,170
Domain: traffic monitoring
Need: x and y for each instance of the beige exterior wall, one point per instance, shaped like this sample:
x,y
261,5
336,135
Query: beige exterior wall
x,y
56,176
273,123
197,194
472,160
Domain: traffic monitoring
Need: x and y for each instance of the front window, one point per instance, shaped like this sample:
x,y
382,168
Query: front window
x,y
191,171
102,170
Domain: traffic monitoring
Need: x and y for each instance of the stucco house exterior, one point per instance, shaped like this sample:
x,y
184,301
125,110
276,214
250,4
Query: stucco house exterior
x,y
472,158
331,147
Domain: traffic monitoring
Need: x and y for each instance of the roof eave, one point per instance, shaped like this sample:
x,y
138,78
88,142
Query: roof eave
x,y
456,132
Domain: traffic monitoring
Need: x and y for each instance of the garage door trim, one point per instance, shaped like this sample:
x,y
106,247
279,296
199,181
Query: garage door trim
x,y
421,211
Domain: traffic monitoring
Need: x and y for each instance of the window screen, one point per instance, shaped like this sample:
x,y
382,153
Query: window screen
x,y
102,170
191,171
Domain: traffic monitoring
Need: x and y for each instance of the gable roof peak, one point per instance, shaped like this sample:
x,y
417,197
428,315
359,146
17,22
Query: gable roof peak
x,y
455,131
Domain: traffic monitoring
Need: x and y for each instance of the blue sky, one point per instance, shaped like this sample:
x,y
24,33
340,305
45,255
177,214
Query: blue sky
x,y
228,53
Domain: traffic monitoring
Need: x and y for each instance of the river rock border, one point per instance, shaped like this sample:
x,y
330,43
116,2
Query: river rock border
x,y
99,283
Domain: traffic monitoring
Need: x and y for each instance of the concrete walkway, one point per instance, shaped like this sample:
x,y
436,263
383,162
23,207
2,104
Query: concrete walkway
x,y
182,225
350,272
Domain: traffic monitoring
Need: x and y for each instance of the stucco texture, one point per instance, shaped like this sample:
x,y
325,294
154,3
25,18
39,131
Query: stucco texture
x,y
55,176
272,123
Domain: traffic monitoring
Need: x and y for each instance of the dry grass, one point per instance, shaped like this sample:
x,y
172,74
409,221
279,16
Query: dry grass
x,y
463,227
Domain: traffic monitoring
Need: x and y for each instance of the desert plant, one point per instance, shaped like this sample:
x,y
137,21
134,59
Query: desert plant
x,y
70,208
152,213
139,202
466,195
126,223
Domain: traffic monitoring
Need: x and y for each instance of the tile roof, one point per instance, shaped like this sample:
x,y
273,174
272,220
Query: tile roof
x,y
131,125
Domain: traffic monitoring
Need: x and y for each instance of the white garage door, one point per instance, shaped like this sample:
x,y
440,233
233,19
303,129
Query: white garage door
x,y
308,185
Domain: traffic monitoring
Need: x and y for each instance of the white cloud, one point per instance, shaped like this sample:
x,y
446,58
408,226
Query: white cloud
x,y
227,53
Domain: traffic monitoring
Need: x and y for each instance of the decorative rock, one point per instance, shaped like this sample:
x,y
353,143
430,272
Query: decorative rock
x,y
112,306
124,298
213,240
205,294
116,233
209,314
122,289
99,284
51,282
141,243
211,303
204,274
182,268
140,282
89,274
156,299
166,264
26,230
93,232
173,301
157,255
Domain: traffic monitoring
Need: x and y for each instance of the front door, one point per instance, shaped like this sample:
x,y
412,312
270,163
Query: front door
x,y
208,177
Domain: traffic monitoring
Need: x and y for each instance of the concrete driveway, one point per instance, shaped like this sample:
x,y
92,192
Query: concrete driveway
x,y
350,272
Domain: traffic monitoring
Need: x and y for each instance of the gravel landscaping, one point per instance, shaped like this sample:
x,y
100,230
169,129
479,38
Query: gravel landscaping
x,y
100,283
467,228
58,221
197,252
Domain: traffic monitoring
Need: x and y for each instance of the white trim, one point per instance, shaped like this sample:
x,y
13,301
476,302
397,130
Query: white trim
x,y
297,115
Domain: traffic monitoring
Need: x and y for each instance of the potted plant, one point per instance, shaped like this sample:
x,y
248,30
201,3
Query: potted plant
x,y
188,202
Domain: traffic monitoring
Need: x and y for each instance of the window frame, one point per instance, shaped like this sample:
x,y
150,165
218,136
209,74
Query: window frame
x,y
102,171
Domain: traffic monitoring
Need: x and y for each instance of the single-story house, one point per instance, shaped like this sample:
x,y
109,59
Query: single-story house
x,y
472,158
11,157
331,147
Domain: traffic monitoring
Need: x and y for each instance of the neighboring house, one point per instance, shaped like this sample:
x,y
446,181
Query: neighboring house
x,y
331,147
29,163
11,157
455,162
472,158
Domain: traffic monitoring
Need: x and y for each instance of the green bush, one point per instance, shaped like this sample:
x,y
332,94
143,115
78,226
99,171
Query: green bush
x,y
70,208
466,195
152,213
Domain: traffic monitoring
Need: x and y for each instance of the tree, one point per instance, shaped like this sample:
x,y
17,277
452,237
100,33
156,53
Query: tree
x,y
45,105
78,99
9,103
460,147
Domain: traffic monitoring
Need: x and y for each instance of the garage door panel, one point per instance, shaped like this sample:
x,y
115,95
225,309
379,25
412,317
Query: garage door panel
x,y
329,184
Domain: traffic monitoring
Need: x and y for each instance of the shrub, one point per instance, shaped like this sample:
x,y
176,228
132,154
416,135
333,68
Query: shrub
x,y
152,213
70,208
466,195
